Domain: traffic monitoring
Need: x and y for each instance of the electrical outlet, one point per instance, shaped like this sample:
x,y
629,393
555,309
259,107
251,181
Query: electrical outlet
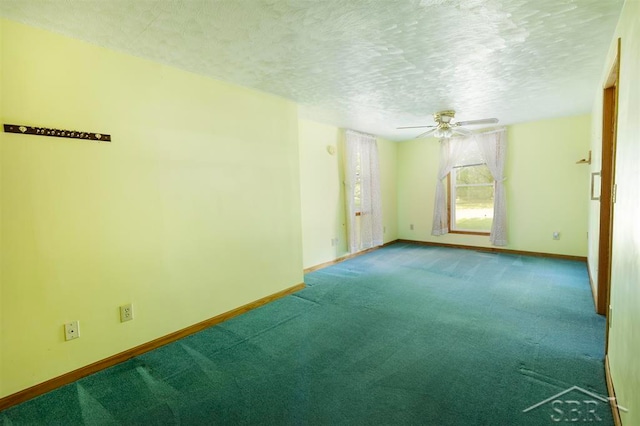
x,y
126,312
72,330
556,235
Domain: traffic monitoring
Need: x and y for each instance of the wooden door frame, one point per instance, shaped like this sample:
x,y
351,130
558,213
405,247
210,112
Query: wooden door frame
x,y
607,194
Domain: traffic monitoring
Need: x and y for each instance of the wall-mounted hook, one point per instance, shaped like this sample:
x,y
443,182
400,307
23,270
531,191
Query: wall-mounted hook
x,y
585,160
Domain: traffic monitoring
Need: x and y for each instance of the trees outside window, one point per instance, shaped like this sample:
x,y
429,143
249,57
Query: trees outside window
x,y
471,191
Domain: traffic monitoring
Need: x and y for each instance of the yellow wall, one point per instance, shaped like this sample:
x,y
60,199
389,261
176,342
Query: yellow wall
x,y
322,191
204,178
546,189
200,182
388,153
624,337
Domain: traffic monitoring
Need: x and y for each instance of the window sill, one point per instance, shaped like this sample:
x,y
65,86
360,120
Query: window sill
x,y
470,232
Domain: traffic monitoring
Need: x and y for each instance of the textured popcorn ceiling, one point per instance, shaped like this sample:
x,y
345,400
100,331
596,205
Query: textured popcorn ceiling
x,y
371,65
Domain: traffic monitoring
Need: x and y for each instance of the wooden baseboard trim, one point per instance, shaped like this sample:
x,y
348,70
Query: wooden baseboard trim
x,y
615,410
72,376
346,257
496,250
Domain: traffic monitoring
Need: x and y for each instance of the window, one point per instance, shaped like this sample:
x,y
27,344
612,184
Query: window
x,y
465,204
471,191
362,191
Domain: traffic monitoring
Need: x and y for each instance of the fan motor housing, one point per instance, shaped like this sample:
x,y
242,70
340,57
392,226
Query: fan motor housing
x,y
444,116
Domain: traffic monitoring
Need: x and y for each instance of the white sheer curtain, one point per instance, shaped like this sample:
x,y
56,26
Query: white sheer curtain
x,y
493,147
362,151
490,148
351,177
451,150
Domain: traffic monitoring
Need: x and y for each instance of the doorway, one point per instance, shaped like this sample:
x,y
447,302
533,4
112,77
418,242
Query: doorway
x,y
608,186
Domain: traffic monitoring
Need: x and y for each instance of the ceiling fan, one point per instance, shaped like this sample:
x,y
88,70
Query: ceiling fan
x,y
445,128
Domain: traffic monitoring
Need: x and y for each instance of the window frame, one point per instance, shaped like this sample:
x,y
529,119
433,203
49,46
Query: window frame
x,y
450,203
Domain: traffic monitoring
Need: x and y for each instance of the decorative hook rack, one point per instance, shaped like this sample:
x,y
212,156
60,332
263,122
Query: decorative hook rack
x,y
56,133
585,160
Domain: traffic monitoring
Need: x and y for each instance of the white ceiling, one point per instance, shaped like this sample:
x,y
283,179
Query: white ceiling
x,y
370,65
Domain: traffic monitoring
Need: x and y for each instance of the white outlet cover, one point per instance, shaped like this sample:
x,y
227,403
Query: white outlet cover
x,y
126,312
72,330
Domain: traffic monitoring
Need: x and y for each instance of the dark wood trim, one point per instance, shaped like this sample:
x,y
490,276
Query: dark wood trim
x,y
606,190
81,372
497,250
345,257
615,410
607,175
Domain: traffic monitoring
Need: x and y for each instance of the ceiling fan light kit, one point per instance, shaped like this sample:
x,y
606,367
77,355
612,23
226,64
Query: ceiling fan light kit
x,y
445,128
443,132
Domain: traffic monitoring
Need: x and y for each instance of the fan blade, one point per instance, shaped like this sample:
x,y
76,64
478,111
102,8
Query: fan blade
x,y
414,127
427,133
461,131
473,122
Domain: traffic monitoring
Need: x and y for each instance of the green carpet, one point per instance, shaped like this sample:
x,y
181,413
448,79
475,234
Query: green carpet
x,y
403,335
